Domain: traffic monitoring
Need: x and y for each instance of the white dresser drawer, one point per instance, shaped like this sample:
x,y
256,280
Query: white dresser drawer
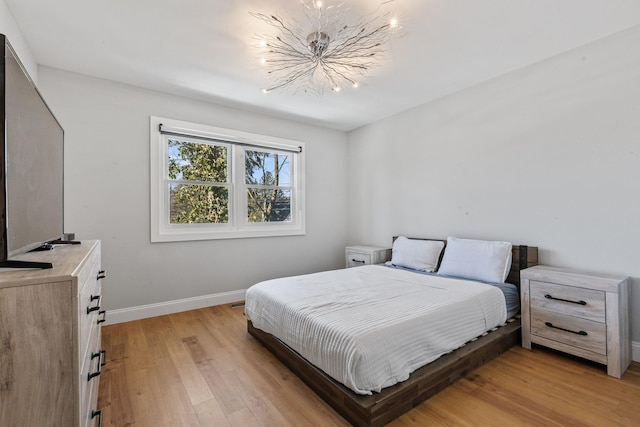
x,y
93,415
584,303
92,364
89,307
574,331
89,268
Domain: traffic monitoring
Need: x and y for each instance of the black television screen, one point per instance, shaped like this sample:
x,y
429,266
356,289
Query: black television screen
x,y
33,155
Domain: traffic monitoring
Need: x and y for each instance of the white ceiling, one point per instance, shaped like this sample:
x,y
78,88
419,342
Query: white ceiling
x,y
203,48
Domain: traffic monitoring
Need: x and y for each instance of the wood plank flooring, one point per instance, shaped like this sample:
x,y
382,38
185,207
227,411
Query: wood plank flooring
x,y
201,368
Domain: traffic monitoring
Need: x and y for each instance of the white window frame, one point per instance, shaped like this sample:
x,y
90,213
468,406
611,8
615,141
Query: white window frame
x,y
237,142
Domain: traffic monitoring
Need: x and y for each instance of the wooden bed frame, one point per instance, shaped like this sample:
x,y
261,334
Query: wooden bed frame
x,y
381,408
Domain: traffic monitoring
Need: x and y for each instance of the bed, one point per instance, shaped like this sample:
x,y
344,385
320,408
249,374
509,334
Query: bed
x,y
333,349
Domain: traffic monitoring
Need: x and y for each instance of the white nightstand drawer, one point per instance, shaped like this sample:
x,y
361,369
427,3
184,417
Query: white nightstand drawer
x,y
356,259
585,334
585,303
356,256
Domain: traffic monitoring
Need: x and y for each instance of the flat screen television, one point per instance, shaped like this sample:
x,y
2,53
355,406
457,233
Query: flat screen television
x,y
31,162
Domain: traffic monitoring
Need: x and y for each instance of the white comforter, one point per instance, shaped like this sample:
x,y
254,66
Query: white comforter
x,y
369,327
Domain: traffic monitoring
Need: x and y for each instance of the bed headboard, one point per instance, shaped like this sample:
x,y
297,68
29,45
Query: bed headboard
x,y
522,256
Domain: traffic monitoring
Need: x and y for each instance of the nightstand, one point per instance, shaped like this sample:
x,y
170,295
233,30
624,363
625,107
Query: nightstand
x,y
582,313
364,255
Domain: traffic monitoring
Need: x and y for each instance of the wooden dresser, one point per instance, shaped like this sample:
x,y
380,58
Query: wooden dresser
x,y
50,356
582,313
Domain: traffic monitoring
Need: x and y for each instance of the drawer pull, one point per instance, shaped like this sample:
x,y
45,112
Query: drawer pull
x,y
357,260
547,296
100,365
101,275
95,307
97,414
102,360
102,313
551,325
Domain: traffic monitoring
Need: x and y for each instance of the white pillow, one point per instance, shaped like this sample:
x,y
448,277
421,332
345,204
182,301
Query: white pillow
x,y
482,260
420,255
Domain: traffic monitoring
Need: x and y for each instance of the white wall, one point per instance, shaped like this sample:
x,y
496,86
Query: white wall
x,y
9,28
548,156
107,194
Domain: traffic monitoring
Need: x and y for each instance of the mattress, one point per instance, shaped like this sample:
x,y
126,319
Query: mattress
x,y
370,327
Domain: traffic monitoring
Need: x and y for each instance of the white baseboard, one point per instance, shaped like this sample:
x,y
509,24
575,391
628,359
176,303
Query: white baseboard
x,y
635,351
169,307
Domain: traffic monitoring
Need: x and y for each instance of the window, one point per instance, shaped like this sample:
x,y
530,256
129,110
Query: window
x,y
213,183
197,181
268,184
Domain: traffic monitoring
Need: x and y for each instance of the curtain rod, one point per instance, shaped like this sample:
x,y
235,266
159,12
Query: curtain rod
x,y
243,144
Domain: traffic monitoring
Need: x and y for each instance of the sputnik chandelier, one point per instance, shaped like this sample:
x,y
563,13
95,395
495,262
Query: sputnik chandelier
x,y
323,52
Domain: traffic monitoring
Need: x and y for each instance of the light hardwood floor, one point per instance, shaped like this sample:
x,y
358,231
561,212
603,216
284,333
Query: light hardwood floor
x,y
201,368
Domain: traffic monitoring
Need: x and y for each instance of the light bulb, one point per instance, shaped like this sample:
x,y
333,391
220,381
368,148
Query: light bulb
x,y
355,85
394,22
263,61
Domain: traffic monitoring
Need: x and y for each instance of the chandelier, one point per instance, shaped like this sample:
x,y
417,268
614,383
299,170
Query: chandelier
x,y
324,51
